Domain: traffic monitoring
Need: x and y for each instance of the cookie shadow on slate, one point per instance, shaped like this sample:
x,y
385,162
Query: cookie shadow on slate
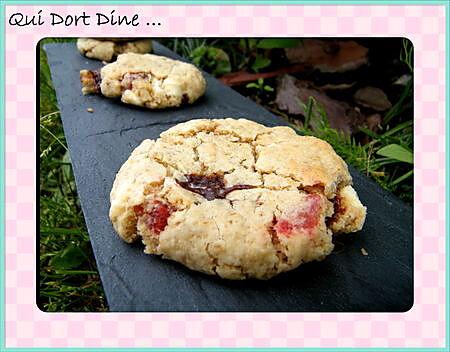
x,y
169,110
308,274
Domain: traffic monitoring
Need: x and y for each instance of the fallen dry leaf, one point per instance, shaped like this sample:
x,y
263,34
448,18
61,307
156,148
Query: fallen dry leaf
x,y
373,122
328,56
338,86
341,116
241,77
372,97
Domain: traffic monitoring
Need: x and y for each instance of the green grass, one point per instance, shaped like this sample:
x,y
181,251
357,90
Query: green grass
x,y
69,280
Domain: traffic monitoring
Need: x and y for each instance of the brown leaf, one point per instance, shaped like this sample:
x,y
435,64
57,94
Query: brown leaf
x,y
242,77
328,56
373,122
337,86
291,92
373,98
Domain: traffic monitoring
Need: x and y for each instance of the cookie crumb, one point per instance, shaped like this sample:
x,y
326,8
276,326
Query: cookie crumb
x,y
90,110
364,252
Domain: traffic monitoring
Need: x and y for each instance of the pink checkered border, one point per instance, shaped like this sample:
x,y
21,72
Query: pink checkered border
x,y
423,326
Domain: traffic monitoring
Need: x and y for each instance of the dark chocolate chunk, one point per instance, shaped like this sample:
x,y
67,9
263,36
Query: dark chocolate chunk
x,y
210,187
185,99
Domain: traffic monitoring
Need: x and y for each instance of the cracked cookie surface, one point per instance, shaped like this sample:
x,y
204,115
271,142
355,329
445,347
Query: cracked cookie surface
x,y
107,49
235,198
146,80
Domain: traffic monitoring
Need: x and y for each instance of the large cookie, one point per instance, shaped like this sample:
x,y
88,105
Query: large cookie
x,y
146,80
235,198
105,49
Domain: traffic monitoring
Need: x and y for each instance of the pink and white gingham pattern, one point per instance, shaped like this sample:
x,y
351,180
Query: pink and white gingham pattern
x,y
422,326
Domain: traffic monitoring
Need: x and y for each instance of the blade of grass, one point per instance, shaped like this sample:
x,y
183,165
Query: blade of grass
x,y
76,272
402,178
56,138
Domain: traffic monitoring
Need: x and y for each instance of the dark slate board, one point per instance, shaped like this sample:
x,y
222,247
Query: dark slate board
x,y
101,141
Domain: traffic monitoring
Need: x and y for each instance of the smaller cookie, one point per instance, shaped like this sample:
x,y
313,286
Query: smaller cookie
x,y
146,80
106,49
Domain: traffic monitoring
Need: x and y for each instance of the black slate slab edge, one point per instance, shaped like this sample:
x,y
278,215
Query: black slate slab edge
x,y
101,141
